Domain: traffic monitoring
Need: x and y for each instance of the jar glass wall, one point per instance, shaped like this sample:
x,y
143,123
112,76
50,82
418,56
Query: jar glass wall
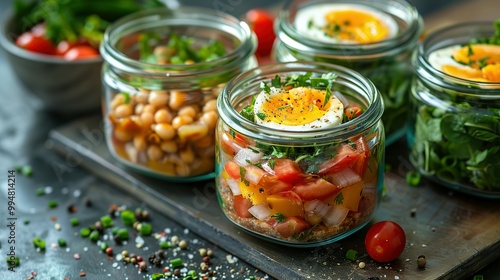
x,y
162,74
304,187
455,111
386,61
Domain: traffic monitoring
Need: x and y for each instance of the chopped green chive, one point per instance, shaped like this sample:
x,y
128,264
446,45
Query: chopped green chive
x,y
413,178
40,191
39,243
351,255
84,232
176,262
123,233
52,204
104,246
27,170
165,245
128,217
94,236
62,242
74,222
12,261
106,221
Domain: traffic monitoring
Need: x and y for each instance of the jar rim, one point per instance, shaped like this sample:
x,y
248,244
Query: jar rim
x,y
463,32
182,16
400,9
346,77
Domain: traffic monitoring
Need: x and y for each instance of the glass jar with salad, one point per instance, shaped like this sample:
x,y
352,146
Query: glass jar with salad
x,y
162,74
455,108
300,152
375,38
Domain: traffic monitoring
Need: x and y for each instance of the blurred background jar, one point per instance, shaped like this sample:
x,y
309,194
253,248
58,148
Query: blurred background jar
x,y
455,108
162,74
299,187
375,38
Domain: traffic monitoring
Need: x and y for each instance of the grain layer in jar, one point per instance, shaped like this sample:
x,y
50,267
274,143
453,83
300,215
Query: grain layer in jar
x,y
162,74
300,152
455,108
375,38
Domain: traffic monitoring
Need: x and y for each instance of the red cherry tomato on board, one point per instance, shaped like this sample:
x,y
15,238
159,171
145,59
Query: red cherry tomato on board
x,y
80,52
262,24
34,43
385,241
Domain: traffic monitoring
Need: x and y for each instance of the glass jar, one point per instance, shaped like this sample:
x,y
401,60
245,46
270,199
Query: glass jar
x,y
385,62
162,74
304,187
455,123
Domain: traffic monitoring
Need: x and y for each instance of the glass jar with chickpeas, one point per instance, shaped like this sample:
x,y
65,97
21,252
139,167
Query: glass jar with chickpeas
x,y
163,70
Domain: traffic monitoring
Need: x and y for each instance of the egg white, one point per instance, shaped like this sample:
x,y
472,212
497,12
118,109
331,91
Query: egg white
x,y
316,13
333,117
444,56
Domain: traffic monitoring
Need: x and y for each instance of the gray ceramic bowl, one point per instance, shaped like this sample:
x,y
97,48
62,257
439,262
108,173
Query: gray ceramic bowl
x,y
63,87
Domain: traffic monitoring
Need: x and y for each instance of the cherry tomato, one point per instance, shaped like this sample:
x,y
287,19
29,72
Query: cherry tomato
x,y
31,42
353,112
262,24
80,52
385,241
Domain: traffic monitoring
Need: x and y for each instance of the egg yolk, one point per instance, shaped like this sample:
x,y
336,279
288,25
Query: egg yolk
x,y
297,106
483,61
353,25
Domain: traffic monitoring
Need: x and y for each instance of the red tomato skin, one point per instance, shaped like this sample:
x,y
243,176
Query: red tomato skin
x,y
241,206
345,157
262,24
290,227
231,145
80,52
33,43
273,185
315,188
385,241
284,169
361,164
233,169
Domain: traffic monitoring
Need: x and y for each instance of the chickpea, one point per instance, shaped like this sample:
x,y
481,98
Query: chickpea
x,y
163,51
123,111
117,100
140,142
165,131
154,152
142,97
153,138
163,116
177,99
158,98
211,105
123,135
182,169
149,108
205,141
139,108
169,146
187,155
147,119
180,121
210,119
189,111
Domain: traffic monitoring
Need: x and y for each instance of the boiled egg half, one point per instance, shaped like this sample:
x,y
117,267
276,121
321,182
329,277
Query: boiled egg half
x,y
477,62
297,109
345,23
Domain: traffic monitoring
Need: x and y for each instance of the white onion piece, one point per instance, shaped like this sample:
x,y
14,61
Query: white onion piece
x,y
246,156
316,206
233,185
335,215
253,174
344,178
260,211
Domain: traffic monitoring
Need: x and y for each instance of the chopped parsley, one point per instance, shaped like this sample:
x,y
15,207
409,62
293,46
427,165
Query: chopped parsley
x,y
280,218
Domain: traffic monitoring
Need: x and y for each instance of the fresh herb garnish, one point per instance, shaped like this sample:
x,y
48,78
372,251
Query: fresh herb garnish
x,y
339,199
279,217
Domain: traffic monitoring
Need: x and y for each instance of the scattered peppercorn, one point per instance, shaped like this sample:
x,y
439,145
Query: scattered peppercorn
x,y
83,274
72,208
351,255
88,202
183,244
109,251
421,261
146,229
40,191
74,222
84,232
106,221
94,236
61,242
128,217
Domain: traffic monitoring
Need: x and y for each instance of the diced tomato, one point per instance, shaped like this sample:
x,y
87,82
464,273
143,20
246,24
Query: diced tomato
x,y
34,43
361,163
285,169
344,158
315,188
233,169
352,112
273,185
81,52
290,227
231,145
241,206
286,203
